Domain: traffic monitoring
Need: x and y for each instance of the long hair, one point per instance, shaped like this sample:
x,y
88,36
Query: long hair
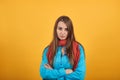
x,y
70,38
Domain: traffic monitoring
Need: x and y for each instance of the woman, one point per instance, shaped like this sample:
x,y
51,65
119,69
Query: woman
x,y
64,58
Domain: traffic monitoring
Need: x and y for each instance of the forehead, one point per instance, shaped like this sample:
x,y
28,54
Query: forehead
x,y
61,24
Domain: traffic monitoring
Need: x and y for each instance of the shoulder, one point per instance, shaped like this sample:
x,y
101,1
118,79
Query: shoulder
x,y
45,50
81,47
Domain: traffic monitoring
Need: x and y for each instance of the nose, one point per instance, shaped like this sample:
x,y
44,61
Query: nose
x,y
62,31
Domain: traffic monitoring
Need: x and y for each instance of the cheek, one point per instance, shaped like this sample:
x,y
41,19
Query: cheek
x,y
66,33
58,32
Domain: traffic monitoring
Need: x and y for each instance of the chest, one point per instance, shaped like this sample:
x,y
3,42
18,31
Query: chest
x,y
61,60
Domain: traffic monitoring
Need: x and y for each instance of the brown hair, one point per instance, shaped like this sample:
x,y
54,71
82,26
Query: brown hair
x,y
70,39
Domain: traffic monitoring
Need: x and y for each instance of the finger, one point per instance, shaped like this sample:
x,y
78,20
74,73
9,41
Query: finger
x,y
46,66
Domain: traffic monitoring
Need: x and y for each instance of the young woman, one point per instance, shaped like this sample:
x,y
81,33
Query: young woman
x,y
64,58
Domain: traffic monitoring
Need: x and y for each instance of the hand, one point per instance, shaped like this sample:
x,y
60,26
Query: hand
x,y
68,71
48,66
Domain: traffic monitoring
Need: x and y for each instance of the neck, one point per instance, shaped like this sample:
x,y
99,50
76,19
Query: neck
x,y
62,42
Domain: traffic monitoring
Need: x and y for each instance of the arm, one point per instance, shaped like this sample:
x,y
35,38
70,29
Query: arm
x,y
79,72
49,73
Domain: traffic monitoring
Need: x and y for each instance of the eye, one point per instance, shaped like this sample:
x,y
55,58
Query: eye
x,y
66,29
59,28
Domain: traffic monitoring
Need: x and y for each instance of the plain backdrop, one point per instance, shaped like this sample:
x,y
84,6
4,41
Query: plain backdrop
x,y
26,28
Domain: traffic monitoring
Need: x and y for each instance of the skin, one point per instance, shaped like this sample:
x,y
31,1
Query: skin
x,y
62,33
62,30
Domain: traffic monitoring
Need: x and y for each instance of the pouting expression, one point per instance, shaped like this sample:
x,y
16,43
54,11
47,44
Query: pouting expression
x,y
62,30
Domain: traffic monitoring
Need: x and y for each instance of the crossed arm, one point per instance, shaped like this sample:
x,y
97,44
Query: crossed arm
x,y
47,71
68,71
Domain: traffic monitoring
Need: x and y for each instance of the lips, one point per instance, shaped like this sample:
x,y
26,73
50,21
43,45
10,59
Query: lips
x,y
62,36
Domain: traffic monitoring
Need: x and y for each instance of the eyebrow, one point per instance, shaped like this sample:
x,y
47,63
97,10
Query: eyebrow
x,y
61,27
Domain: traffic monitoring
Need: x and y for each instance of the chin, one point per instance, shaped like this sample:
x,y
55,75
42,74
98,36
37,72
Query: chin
x,y
62,38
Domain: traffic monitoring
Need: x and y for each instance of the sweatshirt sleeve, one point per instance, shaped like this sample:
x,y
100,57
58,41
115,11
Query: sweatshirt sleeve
x,y
49,73
80,71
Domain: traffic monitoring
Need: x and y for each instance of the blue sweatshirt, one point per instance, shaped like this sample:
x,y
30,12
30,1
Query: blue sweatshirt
x,y
61,63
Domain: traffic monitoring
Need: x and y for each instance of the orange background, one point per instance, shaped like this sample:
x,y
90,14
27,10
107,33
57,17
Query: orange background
x,y
26,28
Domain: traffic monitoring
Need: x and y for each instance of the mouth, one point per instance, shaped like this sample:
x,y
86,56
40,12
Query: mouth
x,y
62,36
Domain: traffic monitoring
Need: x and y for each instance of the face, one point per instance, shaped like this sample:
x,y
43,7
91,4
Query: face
x,y
62,30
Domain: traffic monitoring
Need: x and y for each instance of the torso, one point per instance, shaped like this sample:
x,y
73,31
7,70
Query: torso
x,y
61,59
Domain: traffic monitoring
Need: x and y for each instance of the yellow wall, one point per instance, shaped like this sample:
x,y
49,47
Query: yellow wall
x,y
26,27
